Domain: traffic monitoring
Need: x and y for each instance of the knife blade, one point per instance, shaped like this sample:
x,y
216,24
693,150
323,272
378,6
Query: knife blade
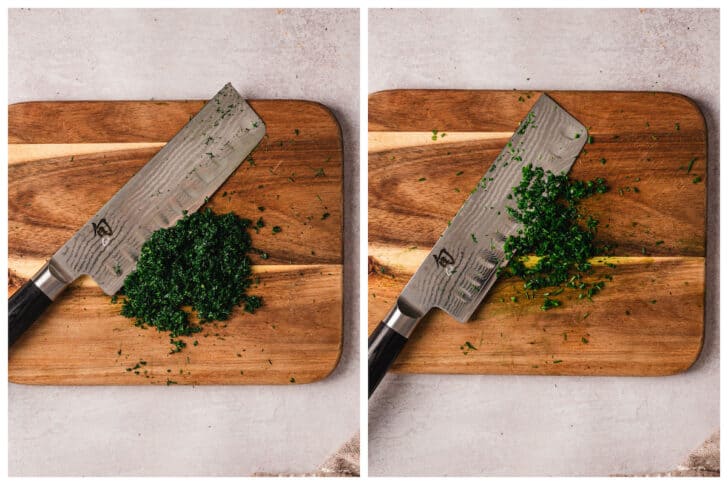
x,y
462,266
178,179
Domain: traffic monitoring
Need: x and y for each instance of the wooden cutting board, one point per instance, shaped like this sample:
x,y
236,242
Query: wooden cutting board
x,y
66,159
647,321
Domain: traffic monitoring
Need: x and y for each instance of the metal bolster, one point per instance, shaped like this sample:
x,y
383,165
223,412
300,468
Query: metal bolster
x,y
400,322
49,281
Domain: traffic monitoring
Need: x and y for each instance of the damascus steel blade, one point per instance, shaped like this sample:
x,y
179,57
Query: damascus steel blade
x,y
463,264
179,178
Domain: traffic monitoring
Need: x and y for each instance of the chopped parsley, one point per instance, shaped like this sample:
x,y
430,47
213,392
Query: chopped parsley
x,y
549,303
553,228
201,262
467,347
530,118
691,163
178,345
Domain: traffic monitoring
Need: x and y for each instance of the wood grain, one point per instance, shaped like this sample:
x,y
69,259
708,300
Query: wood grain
x,y
68,158
647,141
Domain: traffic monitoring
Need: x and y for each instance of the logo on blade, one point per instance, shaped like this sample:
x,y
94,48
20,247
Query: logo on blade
x,y
103,230
444,258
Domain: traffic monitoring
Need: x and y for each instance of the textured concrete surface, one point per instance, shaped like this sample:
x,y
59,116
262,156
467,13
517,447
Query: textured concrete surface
x,y
505,425
127,54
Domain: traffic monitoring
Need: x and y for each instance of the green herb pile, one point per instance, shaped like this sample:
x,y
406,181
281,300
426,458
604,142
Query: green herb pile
x,y
556,231
201,263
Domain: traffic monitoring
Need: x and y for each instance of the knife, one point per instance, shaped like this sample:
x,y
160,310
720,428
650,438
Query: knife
x,y
178,179
462,266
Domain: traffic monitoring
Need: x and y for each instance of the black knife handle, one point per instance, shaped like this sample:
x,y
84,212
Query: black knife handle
x,y
24,308
385,345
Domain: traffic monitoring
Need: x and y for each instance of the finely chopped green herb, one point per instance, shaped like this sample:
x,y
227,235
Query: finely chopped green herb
x,y
467,347
202,263
555,230
177,345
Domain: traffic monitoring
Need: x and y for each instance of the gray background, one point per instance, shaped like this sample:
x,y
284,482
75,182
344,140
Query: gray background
x,y
505,425
143,54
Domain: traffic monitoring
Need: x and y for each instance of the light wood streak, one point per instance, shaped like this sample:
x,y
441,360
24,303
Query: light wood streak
x,y
380,141
25,152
